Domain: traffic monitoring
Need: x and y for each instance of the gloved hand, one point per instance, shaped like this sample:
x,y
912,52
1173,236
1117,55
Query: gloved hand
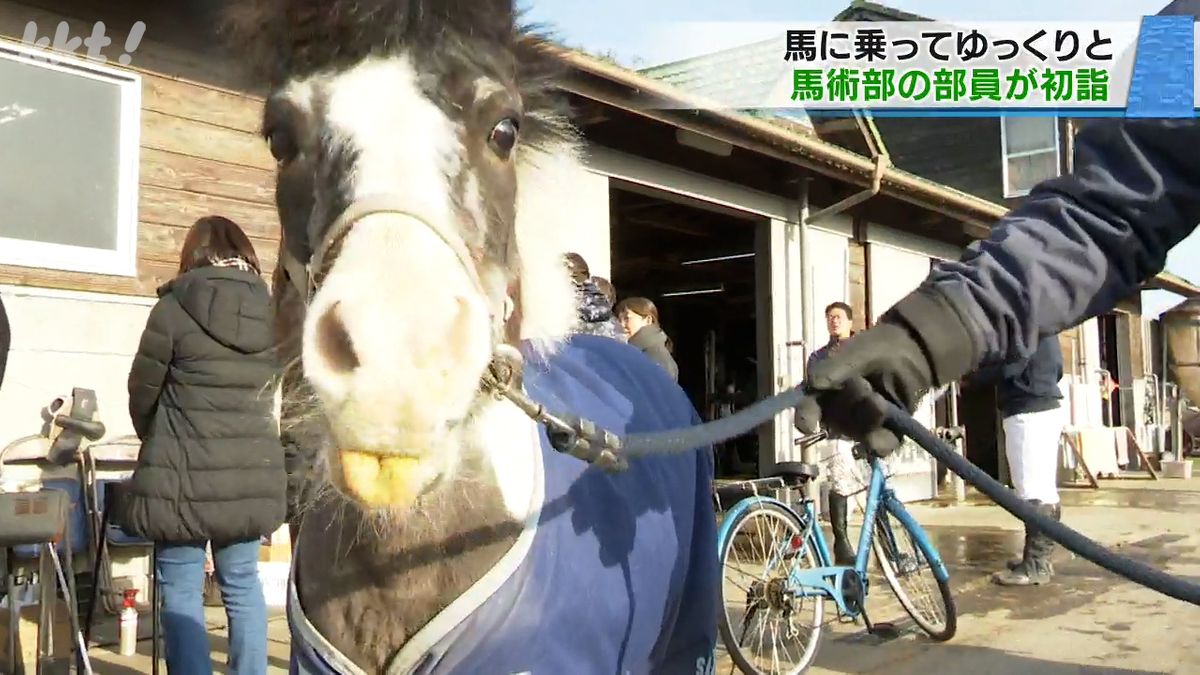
x,y
919,344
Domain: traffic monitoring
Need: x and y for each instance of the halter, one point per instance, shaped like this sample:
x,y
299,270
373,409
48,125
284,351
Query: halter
x,y
568,434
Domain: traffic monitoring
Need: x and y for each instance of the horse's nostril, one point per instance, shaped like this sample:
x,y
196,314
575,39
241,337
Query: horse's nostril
x,y
334,342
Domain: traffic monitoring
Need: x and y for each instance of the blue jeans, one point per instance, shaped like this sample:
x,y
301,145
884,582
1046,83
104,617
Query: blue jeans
x,y
181,580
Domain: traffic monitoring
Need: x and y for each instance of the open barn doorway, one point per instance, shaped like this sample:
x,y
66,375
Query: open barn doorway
x,y
699,266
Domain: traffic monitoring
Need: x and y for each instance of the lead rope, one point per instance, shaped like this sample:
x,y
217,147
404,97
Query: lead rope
x,y
585,440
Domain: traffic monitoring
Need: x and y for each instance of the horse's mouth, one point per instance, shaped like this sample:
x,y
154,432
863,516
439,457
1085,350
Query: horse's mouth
x,y
381,481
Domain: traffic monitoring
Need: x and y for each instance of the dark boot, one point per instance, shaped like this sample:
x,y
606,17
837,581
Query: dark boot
x,y
1017,562
843,552
1035,568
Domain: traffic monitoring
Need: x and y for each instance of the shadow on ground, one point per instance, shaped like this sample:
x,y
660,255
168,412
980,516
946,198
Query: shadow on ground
x,y
973,554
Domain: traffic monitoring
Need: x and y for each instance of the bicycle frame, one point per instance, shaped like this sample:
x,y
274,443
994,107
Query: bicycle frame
x,y
828,580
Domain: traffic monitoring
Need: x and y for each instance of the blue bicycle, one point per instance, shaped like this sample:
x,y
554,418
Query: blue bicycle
x,y
778,570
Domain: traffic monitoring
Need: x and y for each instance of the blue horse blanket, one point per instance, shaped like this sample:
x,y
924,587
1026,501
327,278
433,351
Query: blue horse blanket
x,y
618,573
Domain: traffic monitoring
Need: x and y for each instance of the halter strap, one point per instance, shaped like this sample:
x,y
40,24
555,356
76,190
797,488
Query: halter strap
x,y
303,275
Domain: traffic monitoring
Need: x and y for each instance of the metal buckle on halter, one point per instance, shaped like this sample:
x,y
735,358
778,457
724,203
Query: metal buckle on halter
x,y
572,435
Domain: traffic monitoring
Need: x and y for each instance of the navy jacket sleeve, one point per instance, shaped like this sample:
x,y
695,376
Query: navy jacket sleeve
x,y
150,365
1081,242
5,340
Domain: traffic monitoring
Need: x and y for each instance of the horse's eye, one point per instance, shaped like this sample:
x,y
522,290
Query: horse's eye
x,y
504,137
283,145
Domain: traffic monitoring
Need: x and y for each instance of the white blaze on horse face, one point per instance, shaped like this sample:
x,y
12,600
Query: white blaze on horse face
x,y
398,335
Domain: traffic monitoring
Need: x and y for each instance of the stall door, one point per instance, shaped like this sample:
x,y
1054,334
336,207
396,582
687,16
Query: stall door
x,y
895,272
780,332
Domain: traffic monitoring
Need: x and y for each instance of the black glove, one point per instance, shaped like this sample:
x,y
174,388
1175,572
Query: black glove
x,y
919,344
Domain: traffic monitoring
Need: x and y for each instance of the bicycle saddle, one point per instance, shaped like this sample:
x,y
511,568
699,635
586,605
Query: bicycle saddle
x,y
796,471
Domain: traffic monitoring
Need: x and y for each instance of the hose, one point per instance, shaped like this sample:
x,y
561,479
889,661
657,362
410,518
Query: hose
x,y
900,422
711,433
1139,573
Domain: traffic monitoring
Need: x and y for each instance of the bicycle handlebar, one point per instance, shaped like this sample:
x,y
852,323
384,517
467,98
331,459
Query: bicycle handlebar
x,y
89,430
805,441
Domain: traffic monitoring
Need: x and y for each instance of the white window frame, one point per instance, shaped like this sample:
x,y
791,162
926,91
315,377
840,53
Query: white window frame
x,y
1005,156
121,261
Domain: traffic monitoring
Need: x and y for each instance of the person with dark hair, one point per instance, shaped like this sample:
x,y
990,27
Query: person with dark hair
x,y
596,310
1030,403
639,316
606,287
211,467
577,267
595,306
845,479
5,340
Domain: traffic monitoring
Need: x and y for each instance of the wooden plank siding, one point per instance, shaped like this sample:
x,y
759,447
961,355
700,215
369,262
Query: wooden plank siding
x,y
858,284
201,153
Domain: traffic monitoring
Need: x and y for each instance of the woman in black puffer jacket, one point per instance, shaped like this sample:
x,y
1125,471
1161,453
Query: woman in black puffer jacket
x,y
211,468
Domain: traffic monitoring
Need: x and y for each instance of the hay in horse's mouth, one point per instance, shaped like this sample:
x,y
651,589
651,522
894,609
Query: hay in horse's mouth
x,y
380,481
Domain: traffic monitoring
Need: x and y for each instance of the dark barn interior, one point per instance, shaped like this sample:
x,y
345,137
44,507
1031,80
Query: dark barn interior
x,y
698,267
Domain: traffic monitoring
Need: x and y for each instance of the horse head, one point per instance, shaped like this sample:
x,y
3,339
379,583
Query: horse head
x,y
413,139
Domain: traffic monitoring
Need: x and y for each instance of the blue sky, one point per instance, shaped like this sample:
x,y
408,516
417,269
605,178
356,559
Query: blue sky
x,y
626,29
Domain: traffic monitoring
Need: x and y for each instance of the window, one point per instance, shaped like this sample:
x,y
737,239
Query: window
x,y
1030,149
69,131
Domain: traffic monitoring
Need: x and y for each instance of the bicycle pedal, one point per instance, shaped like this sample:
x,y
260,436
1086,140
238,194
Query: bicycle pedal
x,y
884,630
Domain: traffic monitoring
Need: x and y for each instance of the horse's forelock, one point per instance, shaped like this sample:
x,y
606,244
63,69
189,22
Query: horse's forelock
x,y
295,38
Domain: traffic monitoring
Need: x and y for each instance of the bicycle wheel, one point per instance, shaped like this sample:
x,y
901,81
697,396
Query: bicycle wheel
x,y
904,560
762,623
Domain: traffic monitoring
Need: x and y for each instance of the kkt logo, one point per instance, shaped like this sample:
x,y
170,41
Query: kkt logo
x,y
95,42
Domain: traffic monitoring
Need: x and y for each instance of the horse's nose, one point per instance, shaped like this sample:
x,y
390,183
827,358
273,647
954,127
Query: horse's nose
x,y
334,343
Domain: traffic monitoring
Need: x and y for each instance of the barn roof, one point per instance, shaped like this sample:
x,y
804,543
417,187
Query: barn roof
x,y
613,85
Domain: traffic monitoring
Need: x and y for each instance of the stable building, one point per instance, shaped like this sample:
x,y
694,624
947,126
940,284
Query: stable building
x,y
741,229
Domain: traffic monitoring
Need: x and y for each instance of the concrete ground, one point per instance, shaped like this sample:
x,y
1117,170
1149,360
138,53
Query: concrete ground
x,y
106,661
1088,622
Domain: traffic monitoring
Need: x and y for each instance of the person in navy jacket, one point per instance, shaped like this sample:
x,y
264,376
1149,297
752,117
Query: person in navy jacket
x,y
1071,251
1030,403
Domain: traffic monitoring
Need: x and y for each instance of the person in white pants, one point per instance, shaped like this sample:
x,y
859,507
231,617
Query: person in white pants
x,y
1030,403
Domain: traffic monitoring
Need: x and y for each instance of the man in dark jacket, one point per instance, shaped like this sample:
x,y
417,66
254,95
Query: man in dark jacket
x,y
5,340
1075,247
1030,403
1072,250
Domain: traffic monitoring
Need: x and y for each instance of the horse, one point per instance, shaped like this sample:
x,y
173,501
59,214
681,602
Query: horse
x,y
423,156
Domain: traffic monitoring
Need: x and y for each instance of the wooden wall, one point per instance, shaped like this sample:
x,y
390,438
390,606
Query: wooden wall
x,y
200,150
858,284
